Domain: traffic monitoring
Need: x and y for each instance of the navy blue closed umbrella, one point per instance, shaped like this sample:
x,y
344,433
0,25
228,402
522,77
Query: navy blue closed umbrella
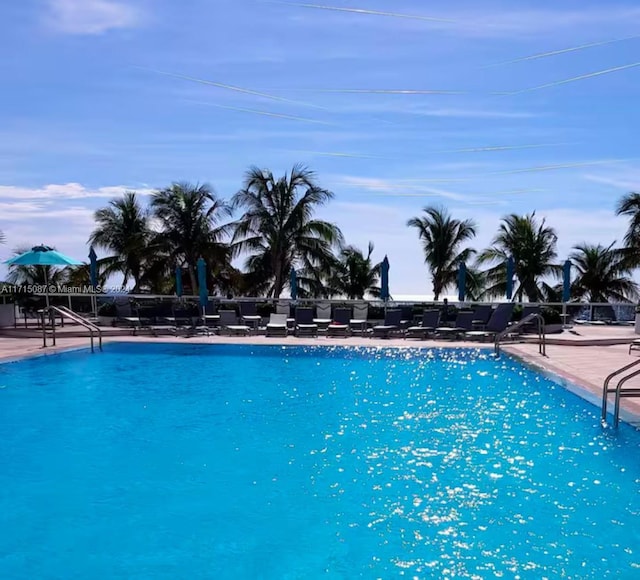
x,y
93,268
462,281
179,289
511,266
566,281
293,284
203,293
384,279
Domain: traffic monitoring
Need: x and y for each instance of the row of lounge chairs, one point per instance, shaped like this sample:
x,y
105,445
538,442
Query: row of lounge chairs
x,y
481,323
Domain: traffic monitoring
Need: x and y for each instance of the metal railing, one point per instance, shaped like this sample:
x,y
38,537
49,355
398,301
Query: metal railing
x,y
542,341
65,312
619,393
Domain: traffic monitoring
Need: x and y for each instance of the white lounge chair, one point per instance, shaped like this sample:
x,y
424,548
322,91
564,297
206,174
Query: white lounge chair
x,y
277,325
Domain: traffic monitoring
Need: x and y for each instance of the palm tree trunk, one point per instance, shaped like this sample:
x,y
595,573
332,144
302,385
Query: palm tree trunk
x,y
194,281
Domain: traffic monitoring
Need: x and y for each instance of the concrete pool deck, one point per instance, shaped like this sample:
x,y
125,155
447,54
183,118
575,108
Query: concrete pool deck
x,y
577,361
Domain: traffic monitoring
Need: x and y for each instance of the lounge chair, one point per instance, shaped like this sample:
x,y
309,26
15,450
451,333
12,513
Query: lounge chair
x,y
126,316
323,315
392,322
527,311
359,321
430,321
481,315
463,323
277,325
304,323
339,327
285,308
229,324
498,322
249,314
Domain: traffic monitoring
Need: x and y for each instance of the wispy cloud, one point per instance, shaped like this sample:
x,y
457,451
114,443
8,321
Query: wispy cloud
x,y
64,192
362,11
490,149
257,112
377,91
625,180
541,168
578,78
562,51
232,88
92,16
476,113
390,188
501,21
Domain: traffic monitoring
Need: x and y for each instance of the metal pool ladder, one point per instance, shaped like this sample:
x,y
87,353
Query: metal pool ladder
x,y
619,393
542,341
71,315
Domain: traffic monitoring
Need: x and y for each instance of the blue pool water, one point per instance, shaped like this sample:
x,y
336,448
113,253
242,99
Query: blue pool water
x,y
198,461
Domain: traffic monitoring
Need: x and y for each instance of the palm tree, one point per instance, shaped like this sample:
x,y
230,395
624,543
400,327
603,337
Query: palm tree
x,y
190,219
278,230
123,229
355,274
603,274
629,205
533,247
442,237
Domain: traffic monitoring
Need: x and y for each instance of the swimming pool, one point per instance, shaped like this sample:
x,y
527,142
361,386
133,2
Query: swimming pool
x,y
201,461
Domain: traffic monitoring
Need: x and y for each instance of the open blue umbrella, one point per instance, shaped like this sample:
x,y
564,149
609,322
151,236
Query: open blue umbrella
x,y
462,281
566,281
179,289
511,266
93,268
293,284
203,293
384,279
43,256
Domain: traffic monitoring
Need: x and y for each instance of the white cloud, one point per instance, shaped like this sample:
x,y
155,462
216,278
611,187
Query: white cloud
x,y
66,191
91,16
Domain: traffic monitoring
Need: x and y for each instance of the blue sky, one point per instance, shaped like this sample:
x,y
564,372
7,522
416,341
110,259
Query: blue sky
x,y
95,102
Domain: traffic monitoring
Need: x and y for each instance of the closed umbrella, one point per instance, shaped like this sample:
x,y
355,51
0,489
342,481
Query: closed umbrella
x,y
293,284
566,281
202,283
179,289
93,268
384,279
462,281
93,278
43,256
511,266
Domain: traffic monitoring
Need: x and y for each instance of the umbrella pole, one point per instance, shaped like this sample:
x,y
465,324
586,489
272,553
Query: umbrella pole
x,y
46,287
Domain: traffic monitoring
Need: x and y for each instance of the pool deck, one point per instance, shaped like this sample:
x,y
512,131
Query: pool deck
x,y
584,359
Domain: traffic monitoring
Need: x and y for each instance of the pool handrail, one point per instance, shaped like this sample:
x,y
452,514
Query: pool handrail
x,y
542,340
66,312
